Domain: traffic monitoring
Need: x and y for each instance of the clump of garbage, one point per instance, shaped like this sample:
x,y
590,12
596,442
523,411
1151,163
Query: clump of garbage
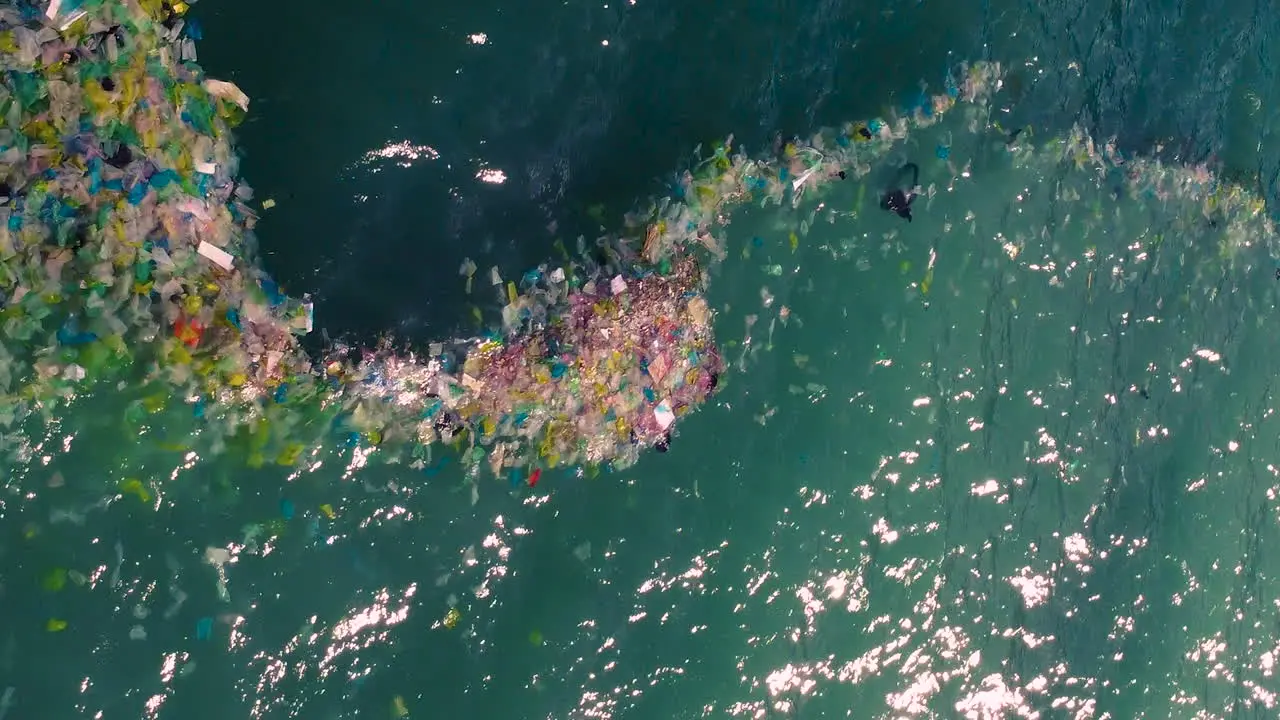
x,y
127,253
127,250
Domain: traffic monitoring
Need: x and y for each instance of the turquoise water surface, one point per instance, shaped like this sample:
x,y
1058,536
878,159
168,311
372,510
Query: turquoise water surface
x,y
1013,459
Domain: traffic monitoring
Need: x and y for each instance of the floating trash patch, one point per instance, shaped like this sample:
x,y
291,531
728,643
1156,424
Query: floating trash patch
x,y
129,258
130,271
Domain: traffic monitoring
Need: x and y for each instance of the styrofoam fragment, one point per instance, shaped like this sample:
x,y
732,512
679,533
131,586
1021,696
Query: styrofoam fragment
x,y
216,254
618,285
663,415
310,309
54,7
217,556
206,168
227,91
494,276
557,275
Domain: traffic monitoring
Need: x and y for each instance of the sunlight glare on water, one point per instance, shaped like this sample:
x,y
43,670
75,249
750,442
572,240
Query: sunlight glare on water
x,y
1011,459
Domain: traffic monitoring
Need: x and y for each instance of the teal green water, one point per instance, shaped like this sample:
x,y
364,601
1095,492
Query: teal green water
x,y
1043,488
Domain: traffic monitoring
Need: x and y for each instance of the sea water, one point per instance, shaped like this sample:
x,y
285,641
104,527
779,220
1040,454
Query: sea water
x,y
1011,459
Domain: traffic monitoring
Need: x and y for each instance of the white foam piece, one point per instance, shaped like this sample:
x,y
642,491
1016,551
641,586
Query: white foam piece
x,y
216,254
217,556
226,90
54,7
618,285
206,168
557,275
663,415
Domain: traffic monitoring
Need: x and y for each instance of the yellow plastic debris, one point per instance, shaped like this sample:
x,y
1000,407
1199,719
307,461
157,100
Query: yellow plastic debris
x,y
327,510
452,618
134,486
398,708
153,403
290,454
55,625
55,580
